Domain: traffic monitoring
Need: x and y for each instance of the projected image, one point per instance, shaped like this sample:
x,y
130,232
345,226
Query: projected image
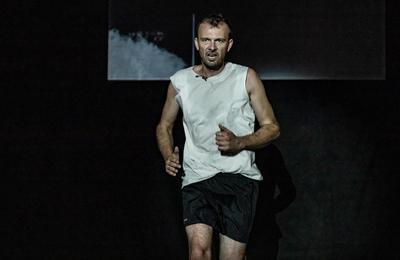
x,y
282,40
134,56
143,46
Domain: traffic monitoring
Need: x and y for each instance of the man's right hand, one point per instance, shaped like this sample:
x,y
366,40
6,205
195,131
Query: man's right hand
x,y
172,163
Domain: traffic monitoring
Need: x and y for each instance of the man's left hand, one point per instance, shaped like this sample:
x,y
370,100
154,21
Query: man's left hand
x,y
227,141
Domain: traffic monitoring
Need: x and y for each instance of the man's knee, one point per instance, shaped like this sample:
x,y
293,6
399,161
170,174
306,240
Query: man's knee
x,y
199,238
200,252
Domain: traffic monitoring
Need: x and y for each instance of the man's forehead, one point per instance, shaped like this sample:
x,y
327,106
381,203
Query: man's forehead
x,y
221,28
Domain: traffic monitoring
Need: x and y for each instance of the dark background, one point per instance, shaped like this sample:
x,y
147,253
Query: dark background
x,y
83,177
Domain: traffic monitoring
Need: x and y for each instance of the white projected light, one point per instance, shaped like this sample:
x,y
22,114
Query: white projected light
x,y
134,58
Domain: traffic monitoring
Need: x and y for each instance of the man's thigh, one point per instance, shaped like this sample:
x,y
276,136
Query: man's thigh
x,y
230,249
199,235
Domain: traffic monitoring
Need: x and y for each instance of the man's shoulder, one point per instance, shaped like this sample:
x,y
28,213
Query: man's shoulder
x,y
180,76
238,66
248,69
182,71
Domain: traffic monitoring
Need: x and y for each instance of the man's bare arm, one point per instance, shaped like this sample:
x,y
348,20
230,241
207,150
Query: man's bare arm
x,y
269,129
164,133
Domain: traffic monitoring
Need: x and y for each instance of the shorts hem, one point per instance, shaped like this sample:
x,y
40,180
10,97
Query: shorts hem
x,y
243,241
185,224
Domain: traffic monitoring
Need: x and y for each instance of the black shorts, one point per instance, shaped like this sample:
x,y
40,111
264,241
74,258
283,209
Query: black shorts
x,y
226,202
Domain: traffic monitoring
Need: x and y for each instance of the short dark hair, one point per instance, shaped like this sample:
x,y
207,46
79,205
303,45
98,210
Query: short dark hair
x,y
214,19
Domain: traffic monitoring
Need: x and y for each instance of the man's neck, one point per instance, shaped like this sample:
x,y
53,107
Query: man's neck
x,y
206,72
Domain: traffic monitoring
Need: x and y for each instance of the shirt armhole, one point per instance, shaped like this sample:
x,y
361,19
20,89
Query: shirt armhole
x,y
246,71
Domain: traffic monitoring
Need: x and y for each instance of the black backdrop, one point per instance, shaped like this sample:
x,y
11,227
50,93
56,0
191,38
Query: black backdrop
x,y
83,176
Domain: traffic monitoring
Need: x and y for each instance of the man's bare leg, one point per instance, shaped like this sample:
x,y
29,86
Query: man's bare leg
x,y
200,241
231,249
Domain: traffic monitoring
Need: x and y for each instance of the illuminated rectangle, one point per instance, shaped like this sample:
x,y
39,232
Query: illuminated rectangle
x,y
281,40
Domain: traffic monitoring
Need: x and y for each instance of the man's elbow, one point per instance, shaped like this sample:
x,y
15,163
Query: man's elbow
x,y
276,131
272,131
163,127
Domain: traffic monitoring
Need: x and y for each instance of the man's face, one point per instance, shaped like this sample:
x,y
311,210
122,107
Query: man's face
x,y
213,43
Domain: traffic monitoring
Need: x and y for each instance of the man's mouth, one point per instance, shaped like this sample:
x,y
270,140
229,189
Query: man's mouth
x,y
212,56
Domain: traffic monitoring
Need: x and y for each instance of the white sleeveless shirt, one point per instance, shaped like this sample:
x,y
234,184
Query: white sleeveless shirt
x,y
220,99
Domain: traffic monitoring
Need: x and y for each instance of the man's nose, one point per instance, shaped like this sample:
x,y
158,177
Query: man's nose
x,y
212,46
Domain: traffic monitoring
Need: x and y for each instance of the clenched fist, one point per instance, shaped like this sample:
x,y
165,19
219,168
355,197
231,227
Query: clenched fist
x,y
227,141
172,163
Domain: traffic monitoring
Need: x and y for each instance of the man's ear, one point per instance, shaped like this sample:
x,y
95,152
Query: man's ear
x,y
230,43
196,43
